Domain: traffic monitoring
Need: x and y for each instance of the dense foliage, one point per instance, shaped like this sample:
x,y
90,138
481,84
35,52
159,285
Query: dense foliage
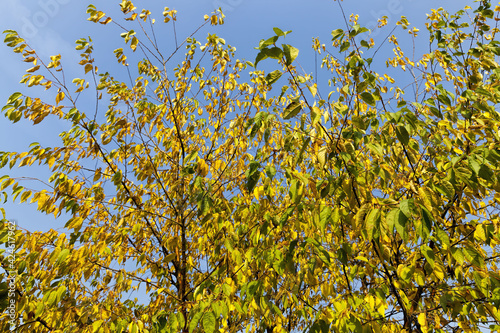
x,y
229,207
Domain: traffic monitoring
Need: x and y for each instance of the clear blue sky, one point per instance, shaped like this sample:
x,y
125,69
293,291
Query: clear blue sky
x,y
52,26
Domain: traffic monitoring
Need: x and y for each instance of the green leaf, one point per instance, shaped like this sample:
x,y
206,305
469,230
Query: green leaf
x,y
52,298
400,222
402,135
426,224
368,98
344,46
209,322
280,32
260,56
96,325
391,218
293,189
252,288
62,256
407,273
267,42
359,123
325,216
474,256
273,53
273,76
291,53
474,164
60,292
406,207
442,237
458,255
428,254
270,171
372,224
14,97
446,188
22,267
194,321
320,326
292,110
252,175
486,173
337,33
284,217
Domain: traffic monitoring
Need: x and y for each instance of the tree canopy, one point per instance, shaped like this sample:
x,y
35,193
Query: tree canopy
x,y
227,199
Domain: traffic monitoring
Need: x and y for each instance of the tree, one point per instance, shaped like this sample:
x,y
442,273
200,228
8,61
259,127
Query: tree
x,y
231,208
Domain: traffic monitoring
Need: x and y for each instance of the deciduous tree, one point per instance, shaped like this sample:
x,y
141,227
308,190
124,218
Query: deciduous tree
x,y
230,207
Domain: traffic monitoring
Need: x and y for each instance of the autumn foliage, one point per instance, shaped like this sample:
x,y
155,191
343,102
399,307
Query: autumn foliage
x,y
221,205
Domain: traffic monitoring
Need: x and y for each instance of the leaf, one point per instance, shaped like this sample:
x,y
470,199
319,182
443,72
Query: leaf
x,y
360,215
359,123
270,171
368,98
209,322
291,53
252,175
458,255
292,110
60,96
443,238
15,96
194,321
344,46
337,33
325,216
406,207
284,217
422,319
62,256
428,254
273,76
426,224
426,196
474,256
446,188
314,90
274,53
279,32
372,224
474,164
400,220
407,273
402,135
252,288
322,157
264,43
391,219
52,298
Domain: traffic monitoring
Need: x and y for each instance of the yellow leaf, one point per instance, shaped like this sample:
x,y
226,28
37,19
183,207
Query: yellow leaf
x,y
51,161
313,89
479,233
202,167
88,68
60,96
422,319
33,69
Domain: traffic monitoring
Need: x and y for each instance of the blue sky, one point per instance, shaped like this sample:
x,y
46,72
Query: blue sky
x,y
52,26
